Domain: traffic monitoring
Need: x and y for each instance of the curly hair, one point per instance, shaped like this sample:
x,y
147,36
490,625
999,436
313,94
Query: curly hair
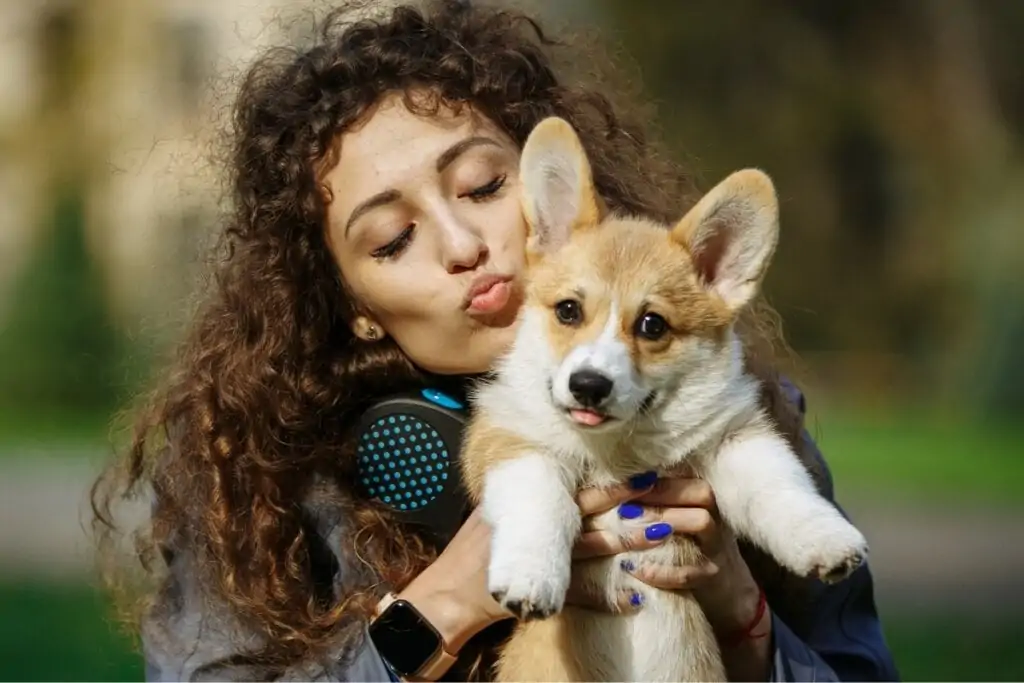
x,y
269,377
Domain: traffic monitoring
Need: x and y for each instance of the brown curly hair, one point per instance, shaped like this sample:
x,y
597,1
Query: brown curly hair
x,y
269,377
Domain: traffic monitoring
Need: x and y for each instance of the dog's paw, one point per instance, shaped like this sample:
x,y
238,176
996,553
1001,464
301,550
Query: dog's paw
x,y
834,556
835,572
531,586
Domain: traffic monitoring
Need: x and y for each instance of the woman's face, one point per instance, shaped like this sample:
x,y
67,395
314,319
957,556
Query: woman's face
x,y
426,226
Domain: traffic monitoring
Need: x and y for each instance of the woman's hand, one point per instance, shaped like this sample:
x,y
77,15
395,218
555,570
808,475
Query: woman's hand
x,y
452,592
722,584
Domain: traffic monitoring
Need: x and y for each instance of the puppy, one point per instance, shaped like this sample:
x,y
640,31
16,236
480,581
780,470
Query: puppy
x,y
625,361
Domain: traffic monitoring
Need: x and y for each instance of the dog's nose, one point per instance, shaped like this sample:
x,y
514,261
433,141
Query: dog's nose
x,y
589,387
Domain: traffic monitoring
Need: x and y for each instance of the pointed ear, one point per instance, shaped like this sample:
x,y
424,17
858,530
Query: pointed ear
x,y
731,235
558,189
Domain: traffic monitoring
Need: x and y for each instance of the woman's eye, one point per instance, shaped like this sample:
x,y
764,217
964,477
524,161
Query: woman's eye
x,y
395,246
485,191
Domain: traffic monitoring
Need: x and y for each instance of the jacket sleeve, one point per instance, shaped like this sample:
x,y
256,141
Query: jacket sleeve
x,y
840,637
188,635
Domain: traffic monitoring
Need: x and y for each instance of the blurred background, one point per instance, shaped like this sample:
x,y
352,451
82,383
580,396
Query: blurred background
x,y
893,129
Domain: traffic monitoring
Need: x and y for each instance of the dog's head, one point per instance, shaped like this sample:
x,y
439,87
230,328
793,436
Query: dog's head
x,y
631,309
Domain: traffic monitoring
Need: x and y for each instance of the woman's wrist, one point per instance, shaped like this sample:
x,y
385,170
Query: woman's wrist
x,y
743,612
746,636
731,600
751,659
742,621
455,619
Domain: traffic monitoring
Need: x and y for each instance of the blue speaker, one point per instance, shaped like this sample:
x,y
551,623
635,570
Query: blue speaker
x,y
407,457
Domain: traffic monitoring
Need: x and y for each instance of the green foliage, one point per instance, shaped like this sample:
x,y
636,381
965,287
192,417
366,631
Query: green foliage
x,y
60,351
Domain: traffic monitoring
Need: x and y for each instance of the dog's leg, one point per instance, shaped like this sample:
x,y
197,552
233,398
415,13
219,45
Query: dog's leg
x,y
765,495
535,521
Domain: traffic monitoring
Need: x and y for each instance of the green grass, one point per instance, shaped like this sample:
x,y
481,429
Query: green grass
x,y
917,456
954,648
61,632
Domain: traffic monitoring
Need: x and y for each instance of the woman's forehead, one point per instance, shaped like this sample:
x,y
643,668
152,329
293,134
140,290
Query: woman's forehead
x,y
392,134
394,146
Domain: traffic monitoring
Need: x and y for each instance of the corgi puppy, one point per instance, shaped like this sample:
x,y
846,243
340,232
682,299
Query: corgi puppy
x,y
625,361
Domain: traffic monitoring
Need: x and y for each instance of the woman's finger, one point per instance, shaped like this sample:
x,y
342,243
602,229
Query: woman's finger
x,y
603,543
680,492
689,521
670,577
593,501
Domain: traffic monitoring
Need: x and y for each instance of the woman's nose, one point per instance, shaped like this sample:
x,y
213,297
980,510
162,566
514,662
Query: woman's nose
x,y
463,247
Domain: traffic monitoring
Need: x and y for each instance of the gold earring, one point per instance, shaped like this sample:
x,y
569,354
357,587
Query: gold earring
x,y
371,333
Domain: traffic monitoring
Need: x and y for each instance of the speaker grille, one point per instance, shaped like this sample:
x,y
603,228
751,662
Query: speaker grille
x,y
403,461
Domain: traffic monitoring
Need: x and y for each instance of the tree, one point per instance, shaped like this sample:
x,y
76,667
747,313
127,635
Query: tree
x,y
60,350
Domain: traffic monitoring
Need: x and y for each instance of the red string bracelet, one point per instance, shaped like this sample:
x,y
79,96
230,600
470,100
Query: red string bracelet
x,y
747,632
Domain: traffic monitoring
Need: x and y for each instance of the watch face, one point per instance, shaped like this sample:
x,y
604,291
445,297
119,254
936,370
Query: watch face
x,y
404,638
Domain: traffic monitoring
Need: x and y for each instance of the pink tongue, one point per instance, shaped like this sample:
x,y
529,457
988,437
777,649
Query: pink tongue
x,y
586,417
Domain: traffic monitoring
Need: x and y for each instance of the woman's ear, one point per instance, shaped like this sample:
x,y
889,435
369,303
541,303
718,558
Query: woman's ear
x,y
367,329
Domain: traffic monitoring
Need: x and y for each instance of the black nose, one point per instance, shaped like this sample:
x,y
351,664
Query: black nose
x,y
590,388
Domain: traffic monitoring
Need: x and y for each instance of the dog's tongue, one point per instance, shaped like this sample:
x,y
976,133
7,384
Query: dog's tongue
x,y
586,417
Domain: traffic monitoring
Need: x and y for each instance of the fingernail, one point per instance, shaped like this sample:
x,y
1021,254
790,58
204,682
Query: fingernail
x,y
658,531
630,510
627,565
636,599
643,481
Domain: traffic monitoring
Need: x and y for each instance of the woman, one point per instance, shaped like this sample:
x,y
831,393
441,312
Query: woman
x,y
374,182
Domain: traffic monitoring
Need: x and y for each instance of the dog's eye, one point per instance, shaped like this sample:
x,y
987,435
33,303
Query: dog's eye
x,y
568,312
651,326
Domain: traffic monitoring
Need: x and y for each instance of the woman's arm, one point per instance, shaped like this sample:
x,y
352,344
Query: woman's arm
x,y
839,640
838,637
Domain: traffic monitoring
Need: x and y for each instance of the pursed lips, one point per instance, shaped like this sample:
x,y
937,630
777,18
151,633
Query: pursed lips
x,y
488,294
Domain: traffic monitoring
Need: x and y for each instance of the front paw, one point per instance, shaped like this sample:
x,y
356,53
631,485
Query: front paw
x,y
835,554
530,585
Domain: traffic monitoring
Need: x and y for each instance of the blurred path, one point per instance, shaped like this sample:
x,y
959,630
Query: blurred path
x,y
934,557
943,557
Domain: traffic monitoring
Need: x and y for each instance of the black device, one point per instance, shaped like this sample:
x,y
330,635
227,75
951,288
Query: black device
x,y
408,458
405,639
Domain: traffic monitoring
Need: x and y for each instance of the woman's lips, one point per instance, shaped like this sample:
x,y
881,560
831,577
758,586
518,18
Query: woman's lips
x,y
491,298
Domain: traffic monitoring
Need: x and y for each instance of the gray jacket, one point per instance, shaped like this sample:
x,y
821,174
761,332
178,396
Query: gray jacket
x,y
833,634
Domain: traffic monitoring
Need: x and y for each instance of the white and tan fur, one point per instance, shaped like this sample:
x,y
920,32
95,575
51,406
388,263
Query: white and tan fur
x,y
681,399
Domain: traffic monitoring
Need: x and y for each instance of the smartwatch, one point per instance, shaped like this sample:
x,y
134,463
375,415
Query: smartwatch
x,y
408,643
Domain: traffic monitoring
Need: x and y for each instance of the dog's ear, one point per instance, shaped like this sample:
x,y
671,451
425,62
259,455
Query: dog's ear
x,y
731,235
558,188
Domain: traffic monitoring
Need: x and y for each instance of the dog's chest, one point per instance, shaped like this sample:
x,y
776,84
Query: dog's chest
x,y
607,467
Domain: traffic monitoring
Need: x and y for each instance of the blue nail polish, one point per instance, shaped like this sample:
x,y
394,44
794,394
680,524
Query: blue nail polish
x,y
636,600
627,565
630,511
656,532
643,481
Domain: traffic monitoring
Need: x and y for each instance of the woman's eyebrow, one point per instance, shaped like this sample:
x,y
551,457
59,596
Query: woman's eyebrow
x,y
455,151
379,199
